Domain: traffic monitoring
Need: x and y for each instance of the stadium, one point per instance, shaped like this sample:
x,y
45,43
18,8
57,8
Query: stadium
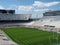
x,y
22,30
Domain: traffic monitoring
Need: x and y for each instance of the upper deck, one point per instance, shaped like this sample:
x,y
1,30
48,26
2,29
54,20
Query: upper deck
x,y
3,11
52,13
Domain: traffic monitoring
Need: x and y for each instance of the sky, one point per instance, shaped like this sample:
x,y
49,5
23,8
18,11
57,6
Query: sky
x,y
34,7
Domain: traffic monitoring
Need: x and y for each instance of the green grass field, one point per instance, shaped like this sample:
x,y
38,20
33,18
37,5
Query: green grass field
x,y
30,36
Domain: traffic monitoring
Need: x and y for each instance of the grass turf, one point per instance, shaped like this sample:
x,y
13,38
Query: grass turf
x,y
30,36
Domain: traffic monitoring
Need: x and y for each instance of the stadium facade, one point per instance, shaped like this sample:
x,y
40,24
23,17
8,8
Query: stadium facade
x,y
51,18
10,16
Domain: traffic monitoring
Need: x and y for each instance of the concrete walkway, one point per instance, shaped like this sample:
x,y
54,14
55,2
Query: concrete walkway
x,y
4,39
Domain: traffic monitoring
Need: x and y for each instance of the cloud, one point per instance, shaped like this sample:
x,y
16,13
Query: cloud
x,y
1,7
36,6
25,8
41,10
38,3
41,4
51,4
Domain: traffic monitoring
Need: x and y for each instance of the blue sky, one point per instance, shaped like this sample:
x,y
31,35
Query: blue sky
x,y
35,7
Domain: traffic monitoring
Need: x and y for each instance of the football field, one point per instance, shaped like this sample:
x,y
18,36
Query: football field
x,y
30,36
